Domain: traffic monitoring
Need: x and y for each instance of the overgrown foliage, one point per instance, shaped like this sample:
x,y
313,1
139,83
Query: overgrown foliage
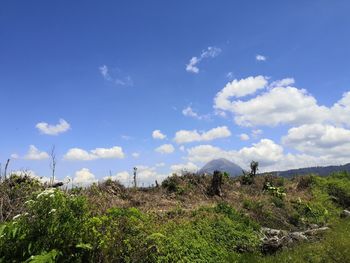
x,y
177,222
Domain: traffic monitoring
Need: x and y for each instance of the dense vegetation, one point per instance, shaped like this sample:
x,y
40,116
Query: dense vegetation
x,y
178,221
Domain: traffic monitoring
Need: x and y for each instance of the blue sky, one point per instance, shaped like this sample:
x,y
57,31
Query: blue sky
x,y
114,72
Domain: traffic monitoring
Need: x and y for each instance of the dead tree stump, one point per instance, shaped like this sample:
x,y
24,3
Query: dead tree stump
x,y
216,184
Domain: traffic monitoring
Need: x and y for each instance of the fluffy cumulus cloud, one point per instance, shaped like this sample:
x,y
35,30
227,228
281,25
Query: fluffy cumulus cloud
x,y
281,105
205,153
123,177
282,82
238,88
35,154
165,149
84,177
278,103
55,129
266,152
318,145
184,167
260,58
319,140
244,137
98,153
145,176
187,136
157,134
210,52
341,110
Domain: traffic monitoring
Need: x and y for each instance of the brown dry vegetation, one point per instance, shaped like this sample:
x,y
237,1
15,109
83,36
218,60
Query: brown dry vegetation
x,y
191,192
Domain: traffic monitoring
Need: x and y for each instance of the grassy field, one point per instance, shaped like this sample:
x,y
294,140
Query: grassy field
x,y
178,221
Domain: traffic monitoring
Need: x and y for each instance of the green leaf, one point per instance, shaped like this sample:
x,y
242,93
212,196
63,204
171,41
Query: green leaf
x,y
45,257
84,246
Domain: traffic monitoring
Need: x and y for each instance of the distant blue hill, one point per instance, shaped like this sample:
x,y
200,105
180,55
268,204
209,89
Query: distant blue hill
x,y
319,170
222,165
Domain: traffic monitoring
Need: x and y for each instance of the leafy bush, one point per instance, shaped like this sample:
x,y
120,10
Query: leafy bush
x,y
252,205
274,190
278,202
52,220
172,184
341,192
310,213
305,181
209,235
14,191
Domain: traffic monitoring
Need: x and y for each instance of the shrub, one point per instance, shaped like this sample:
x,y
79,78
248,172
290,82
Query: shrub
x,y
52,220
172,184
278,202
209,235
305,182
341,192
14,191
311,213
274,190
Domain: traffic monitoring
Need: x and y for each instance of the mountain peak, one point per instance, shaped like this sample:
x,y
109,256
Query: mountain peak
x,y
222,165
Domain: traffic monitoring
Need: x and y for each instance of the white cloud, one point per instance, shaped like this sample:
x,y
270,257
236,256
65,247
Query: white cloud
x,y
260,58
191,66
237,88
282,82
135,155
189,112
279,104
123,177
182,148
145,176
244,137
14,156
265,151
98,153
184,167
157,134
84,177
104,72
32,174
35,154
271,156
186,136
165,149
148,175
206,153
210,52
341,110
319,140
115,76
49,129
229,75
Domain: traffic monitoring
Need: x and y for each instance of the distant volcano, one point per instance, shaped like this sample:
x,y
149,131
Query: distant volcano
x,y
222,165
